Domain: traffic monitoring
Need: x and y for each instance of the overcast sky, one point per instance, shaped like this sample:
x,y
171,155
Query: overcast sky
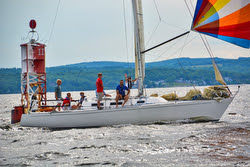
x,y
94,30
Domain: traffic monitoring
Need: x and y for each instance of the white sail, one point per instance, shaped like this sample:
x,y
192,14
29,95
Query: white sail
x,y
139,44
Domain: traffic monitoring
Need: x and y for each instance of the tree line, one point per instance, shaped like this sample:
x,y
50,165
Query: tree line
x,y
82,77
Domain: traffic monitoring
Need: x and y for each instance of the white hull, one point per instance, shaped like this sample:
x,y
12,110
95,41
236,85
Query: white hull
x,y
209,110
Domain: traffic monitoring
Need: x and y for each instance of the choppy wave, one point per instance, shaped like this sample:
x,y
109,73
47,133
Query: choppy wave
x,y
181,143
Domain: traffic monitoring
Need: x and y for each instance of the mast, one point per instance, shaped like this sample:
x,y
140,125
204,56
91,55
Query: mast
x,y
139,44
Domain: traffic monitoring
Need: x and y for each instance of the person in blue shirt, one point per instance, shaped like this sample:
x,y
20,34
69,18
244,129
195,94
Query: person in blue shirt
x,y
121,94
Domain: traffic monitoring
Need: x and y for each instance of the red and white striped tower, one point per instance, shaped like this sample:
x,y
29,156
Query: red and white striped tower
x,y
33,75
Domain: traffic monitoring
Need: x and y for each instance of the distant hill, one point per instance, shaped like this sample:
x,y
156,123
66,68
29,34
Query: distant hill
x,y
174,72
172,63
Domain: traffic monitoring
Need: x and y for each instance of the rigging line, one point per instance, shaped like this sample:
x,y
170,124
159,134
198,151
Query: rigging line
x,y
157,10
191,5
183,67
188,9
131,44
157,24
53,25
187,76
204,39
132,51
165,42
213,57
167,49
177,48
172,25
160,21
182,47
153,33
126,34
207,47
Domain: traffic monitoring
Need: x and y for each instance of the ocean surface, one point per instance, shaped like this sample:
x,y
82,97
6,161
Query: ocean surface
x,y
223,143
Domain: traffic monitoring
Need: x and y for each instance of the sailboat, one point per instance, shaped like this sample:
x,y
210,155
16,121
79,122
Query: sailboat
x,y
228,20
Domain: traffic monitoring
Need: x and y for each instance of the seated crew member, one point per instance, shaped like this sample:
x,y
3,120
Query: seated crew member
x,y
120,93
103,94
106,95
67,102
83,98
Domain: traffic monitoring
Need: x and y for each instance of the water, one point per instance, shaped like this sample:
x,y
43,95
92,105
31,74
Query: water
x,y
224,143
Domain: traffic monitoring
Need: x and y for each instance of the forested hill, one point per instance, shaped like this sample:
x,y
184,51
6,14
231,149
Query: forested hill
x,y
174,72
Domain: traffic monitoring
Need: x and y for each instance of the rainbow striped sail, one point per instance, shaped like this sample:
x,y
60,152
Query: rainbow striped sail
x,y
228,20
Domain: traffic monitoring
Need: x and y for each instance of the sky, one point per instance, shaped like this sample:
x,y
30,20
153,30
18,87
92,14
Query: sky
x,y
102,30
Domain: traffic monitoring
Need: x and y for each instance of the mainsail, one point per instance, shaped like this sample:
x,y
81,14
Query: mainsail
x,y
228,20
139,44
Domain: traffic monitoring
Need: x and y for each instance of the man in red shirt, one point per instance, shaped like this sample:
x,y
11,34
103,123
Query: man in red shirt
x,y
99,90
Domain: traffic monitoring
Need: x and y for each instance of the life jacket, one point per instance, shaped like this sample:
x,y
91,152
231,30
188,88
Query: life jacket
x,y
130,84
65,101
82,99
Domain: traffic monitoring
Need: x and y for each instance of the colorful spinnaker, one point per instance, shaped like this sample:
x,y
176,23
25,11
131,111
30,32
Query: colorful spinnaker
x,y
228,20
